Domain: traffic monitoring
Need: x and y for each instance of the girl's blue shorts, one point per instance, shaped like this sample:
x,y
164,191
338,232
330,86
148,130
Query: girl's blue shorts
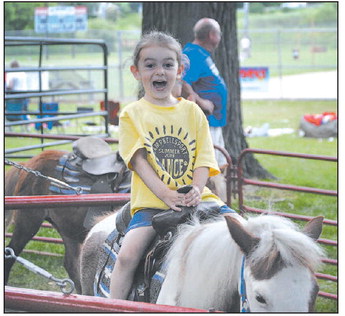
x,y
143,217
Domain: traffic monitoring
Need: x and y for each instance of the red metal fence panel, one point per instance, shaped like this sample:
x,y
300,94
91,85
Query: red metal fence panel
x,y
52,302
23,202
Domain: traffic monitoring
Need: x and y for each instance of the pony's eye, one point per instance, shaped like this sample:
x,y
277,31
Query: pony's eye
x,y
260,299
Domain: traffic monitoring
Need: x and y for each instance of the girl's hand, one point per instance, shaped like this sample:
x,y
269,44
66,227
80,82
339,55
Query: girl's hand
x,y
193,197
173,199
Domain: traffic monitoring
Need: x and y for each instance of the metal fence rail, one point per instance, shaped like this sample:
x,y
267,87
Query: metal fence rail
x,y
53,136
12,41
58,201
52,302
245,181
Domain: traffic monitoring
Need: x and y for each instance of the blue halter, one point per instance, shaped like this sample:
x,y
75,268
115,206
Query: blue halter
x,y
243,292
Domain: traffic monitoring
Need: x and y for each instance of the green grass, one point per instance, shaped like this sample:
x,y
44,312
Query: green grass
x,y
300,172
23,278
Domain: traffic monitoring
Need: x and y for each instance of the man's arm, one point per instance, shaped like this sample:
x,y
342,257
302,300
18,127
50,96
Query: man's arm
x,y
187,92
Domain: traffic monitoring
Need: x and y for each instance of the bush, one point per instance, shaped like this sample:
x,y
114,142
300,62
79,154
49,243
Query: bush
x,y
256,7
325,14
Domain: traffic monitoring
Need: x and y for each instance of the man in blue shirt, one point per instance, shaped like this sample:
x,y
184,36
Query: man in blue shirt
x,y
204,85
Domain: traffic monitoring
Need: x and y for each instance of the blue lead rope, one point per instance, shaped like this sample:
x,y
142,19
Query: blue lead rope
x,y
243,292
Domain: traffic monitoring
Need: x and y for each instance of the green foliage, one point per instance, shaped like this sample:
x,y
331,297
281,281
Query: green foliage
x,y
323,14
257,7
130,21
100,24
125,8
20,15
273,17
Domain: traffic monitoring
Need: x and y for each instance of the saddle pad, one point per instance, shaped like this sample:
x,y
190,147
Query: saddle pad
x,y
106,262
75,177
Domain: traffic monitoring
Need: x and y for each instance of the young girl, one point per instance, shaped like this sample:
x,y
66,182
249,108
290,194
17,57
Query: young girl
x,y
166,142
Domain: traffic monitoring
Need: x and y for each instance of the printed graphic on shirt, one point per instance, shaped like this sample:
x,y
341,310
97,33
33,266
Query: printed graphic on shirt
x,y
212,66
172,150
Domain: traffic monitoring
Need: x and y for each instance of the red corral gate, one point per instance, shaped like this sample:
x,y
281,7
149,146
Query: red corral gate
x,y
242,182
53,302
50,301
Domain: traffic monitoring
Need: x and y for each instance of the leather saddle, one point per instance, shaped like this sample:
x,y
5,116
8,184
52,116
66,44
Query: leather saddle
x,y
92,163
95,156
95,168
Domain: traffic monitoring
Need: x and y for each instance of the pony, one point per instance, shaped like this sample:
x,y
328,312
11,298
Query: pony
x,y
68,221
263,264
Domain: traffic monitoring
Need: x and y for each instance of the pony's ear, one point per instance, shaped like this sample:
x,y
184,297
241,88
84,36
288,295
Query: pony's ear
x,y
244,239
313,228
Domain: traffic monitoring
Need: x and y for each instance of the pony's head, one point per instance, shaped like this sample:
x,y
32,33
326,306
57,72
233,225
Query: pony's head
x,y
280,261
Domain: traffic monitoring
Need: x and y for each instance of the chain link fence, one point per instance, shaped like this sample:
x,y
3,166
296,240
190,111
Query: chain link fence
x,y
283,52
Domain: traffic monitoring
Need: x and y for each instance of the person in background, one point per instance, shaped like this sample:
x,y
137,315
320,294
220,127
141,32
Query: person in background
x,y
204,85
16,81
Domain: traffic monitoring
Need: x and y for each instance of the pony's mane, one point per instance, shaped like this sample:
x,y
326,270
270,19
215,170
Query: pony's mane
x,y
39,163
281,244
205,250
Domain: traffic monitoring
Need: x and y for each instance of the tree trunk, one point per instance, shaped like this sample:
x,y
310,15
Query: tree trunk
x,y
178,19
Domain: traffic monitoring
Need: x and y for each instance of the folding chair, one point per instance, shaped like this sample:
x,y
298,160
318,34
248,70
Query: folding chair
x,y
85,109
17,106
52,107
113,109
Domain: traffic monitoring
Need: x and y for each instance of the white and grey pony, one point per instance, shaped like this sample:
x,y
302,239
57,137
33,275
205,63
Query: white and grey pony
x,y
260,264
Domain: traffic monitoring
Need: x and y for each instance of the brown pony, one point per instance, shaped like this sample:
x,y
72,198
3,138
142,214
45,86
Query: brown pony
x,y
68,221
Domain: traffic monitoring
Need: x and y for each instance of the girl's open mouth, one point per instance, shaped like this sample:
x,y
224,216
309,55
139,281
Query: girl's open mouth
x,y
159,84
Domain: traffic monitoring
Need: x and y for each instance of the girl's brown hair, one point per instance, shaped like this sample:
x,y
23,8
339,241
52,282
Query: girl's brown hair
x,y
160,39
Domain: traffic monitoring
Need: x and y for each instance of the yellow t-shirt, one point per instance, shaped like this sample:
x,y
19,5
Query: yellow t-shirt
x,y
177,141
